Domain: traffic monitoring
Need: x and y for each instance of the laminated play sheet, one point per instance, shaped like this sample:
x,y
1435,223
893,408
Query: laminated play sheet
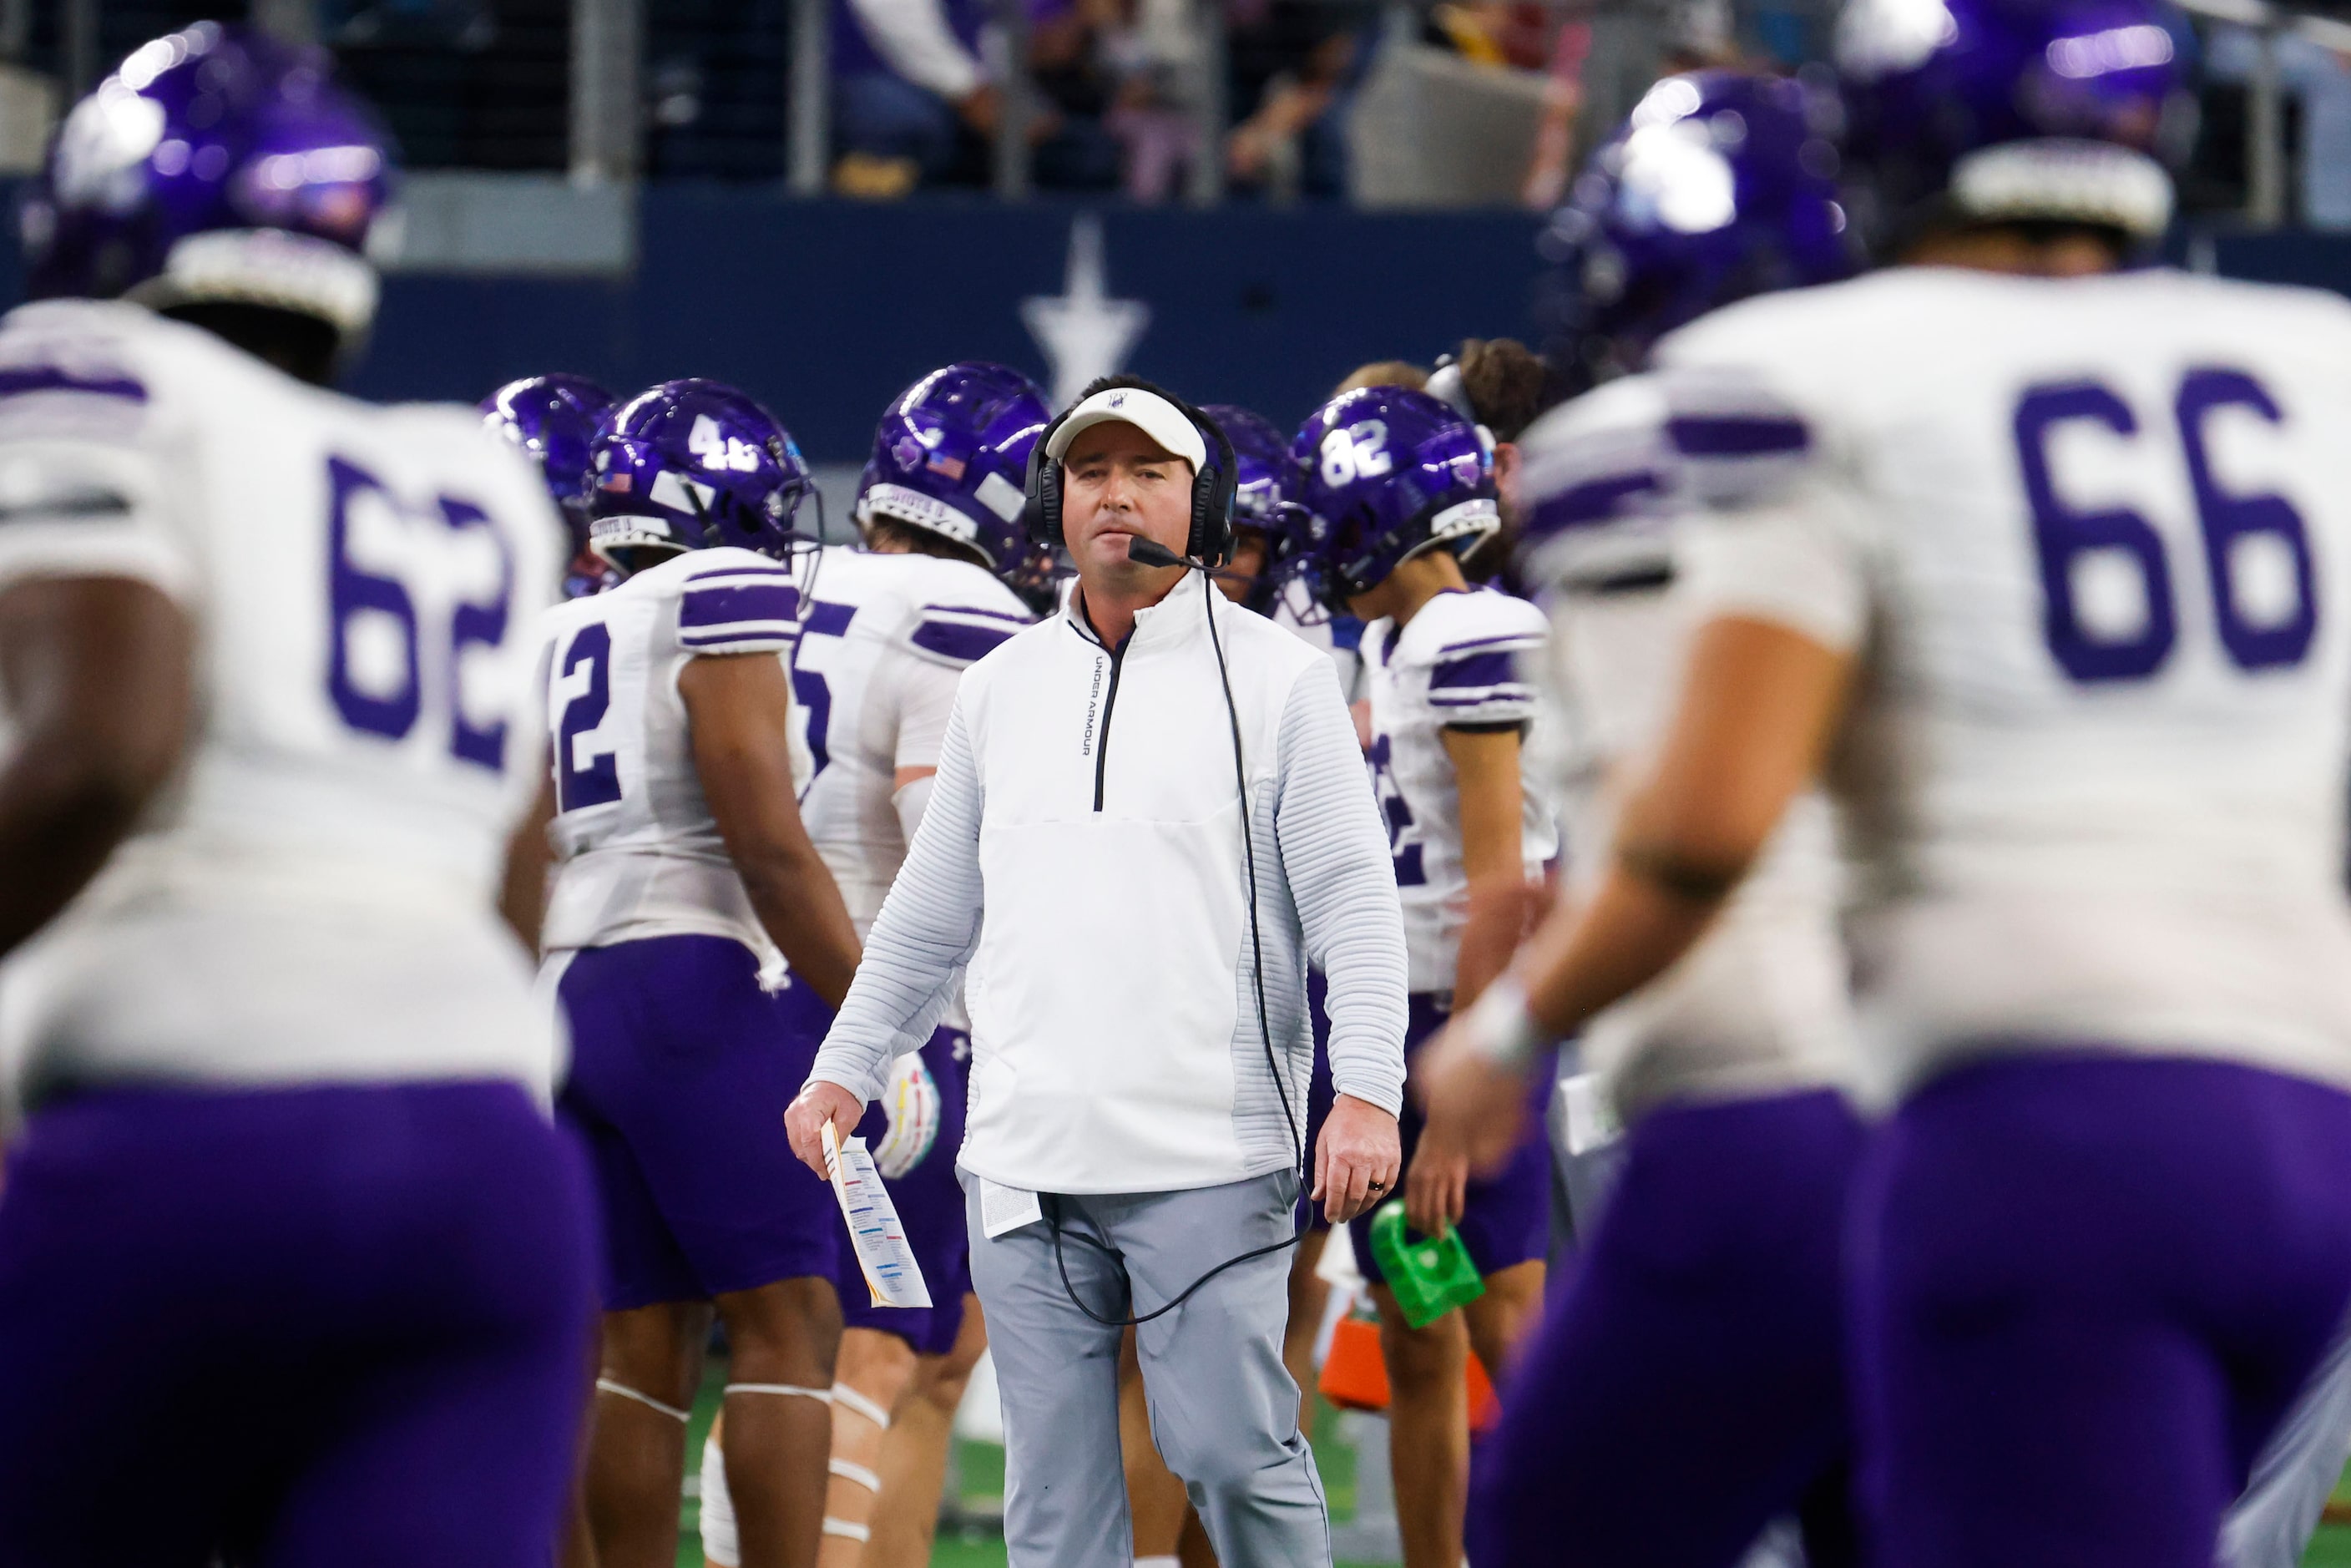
x,y
890,1271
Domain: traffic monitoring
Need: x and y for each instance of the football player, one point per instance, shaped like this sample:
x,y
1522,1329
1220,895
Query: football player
x,y
292,1255
2044,563
553,418
892,626
1728,1075
1267,528
1401,487
697,944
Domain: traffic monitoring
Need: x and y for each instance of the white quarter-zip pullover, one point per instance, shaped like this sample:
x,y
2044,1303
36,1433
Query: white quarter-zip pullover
x,y
1083,857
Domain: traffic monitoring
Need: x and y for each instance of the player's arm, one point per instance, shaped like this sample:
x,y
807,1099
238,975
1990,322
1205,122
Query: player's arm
x,y
1485,773
97,674
522,888
1486,776
735,706
1759,703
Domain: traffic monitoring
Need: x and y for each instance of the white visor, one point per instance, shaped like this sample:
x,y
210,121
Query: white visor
x,y
1147,411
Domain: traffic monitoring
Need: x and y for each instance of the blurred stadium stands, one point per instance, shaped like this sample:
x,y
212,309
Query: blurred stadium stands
x,y
1392,102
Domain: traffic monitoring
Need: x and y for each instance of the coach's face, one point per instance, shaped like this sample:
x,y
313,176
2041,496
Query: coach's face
x,y
1118,483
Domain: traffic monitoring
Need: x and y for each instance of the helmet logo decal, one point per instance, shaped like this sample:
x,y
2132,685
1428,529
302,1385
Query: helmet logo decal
x,y
1677,175
717,450
1882,36
1358,452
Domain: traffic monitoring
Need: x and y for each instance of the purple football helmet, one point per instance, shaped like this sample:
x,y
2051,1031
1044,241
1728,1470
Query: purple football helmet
x,y
1718,186
553,419
2014,111
1266,499
215,164
1385,474
1267,494
951,456
691,465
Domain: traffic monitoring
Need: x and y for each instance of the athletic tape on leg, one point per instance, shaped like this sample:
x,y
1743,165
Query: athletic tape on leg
x,y
869,1479
606,1386
844,1529
719,1542
848,1398
824,1395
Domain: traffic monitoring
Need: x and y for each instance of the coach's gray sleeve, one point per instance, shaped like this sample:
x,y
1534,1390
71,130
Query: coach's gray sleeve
x,y
1335,854
924,934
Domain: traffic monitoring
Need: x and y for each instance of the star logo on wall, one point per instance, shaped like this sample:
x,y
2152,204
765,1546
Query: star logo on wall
x,y
1084,333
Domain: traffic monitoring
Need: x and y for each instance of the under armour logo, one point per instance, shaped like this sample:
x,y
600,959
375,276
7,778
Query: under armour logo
x,y
1118,400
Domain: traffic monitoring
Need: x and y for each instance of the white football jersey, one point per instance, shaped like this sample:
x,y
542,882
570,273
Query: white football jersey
x,y
1337,633
883,641
1761,1005
1455,664
640,854
2091,539
313,896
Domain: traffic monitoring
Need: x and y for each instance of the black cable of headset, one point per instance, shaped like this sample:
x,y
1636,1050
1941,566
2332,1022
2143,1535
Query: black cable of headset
x,y
1264,1024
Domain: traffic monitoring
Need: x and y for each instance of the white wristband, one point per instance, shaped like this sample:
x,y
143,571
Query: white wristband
x,y
1501,1029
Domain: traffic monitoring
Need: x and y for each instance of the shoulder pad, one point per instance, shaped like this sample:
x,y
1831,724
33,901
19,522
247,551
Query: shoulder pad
x,y
1599,486
1452,624
734,602
956,612
961,634
68,371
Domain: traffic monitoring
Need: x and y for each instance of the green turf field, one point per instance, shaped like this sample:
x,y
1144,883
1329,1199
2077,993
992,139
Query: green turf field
x,y
983,1479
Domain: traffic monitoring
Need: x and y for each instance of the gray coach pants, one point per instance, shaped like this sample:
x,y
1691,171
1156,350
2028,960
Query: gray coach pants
x,y
1224,1411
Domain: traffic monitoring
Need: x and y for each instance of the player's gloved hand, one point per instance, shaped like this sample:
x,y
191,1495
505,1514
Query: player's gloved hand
x,y
912,1103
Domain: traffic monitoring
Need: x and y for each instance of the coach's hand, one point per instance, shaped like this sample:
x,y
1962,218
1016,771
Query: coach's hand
x,y
1356,1159
804,1117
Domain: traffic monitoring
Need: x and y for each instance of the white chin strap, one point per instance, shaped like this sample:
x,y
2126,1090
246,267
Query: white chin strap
x,y
268,267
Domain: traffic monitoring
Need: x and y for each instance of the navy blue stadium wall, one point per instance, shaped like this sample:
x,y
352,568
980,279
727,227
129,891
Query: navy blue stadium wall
x,y
825,310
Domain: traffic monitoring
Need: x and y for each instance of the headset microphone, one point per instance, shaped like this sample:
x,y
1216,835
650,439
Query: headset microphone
x,y
1151,553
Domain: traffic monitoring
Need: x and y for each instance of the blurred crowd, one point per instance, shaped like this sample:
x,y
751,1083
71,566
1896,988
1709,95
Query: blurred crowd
x,y
1110,94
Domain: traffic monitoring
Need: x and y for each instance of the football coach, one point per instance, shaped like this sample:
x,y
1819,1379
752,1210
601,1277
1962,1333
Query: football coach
x,y
1151,815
